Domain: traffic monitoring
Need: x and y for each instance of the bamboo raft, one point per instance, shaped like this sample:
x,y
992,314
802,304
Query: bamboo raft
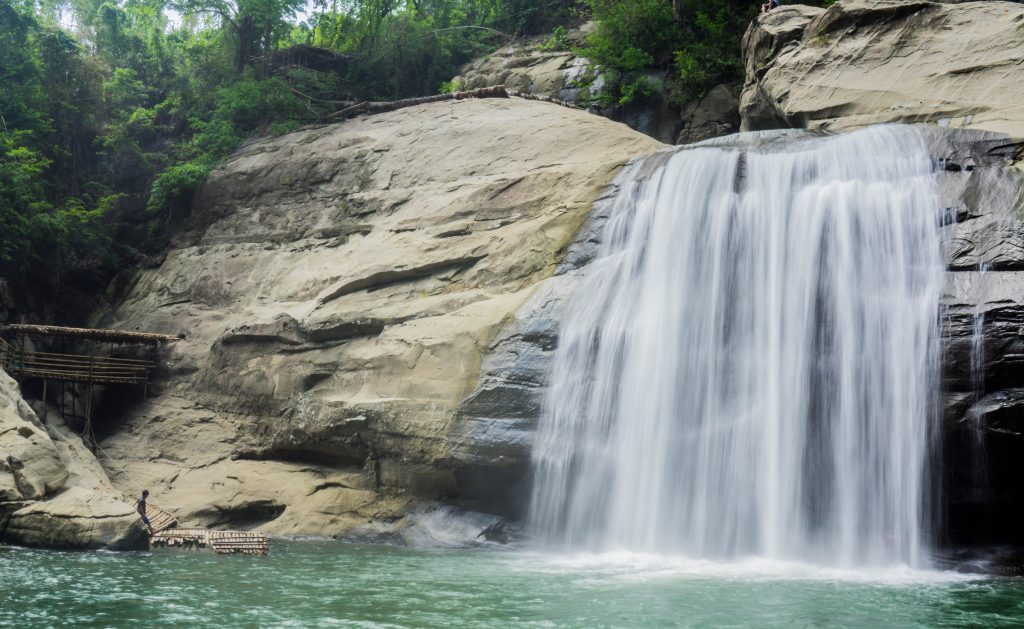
x,y
159,519
221,542
168,535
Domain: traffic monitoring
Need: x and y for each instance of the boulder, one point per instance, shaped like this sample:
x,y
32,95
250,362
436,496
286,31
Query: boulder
x,y
863,62
714,115
78,519
53,492
539,66
339,289
30,466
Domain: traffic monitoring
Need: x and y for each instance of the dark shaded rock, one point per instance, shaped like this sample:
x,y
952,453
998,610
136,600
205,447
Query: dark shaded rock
x,y
494,426
244,516
981,462
283,329
654,115
714,115
345,328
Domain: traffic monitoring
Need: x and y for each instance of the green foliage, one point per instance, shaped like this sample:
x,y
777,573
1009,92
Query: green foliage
x,y
174,186
638,89
449,87
699,41
33,233
559,40
108,127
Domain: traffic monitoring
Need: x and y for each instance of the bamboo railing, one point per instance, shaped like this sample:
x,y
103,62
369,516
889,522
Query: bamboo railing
x,y
73,367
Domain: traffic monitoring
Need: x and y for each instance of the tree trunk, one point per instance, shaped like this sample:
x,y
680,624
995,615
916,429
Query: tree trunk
x,y
245,37
679,10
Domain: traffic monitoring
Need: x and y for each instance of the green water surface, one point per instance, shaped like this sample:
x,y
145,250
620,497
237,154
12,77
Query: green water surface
x,y
328,584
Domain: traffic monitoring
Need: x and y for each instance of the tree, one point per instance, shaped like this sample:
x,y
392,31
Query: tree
x,y
256,26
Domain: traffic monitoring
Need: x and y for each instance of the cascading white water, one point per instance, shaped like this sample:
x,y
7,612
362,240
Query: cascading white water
x,y
751,364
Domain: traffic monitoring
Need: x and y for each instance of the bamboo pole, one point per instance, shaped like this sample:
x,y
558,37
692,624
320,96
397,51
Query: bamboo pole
x,y
376,107
99,334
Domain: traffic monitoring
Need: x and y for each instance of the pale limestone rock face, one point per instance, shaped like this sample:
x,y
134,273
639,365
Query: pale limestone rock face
x,y
30,467
338,290
529,68
864,62
560,74
53,492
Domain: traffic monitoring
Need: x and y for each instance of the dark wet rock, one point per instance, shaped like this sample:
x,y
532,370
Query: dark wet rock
x,y
495,425
714,115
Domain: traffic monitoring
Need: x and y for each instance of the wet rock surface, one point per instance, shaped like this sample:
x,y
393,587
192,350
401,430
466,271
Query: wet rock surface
x,y
954,66
983,339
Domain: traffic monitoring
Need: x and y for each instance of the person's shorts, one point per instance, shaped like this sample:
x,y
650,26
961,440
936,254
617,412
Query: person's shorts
x,y
146,520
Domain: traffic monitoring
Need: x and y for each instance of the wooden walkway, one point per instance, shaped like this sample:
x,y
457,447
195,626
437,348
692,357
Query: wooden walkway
x,y
92,363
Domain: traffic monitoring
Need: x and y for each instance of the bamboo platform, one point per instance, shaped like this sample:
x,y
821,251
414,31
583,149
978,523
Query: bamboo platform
x,y
67,366
221,542
77,357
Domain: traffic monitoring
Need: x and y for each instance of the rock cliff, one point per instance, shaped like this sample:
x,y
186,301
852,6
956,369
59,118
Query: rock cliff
x,y
366,309
542,66
338,289
53,493
863,62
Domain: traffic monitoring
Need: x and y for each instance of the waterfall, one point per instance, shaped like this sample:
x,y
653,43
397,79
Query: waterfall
x,y
750,366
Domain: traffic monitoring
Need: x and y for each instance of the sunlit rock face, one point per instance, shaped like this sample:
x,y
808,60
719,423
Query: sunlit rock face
x,y
863,62
338,290
544,67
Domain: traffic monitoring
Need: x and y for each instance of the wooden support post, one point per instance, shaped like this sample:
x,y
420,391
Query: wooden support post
x,y
88,412
44,398
88,436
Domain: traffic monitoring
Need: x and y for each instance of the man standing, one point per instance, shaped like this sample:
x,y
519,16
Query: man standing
x,y
141,508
